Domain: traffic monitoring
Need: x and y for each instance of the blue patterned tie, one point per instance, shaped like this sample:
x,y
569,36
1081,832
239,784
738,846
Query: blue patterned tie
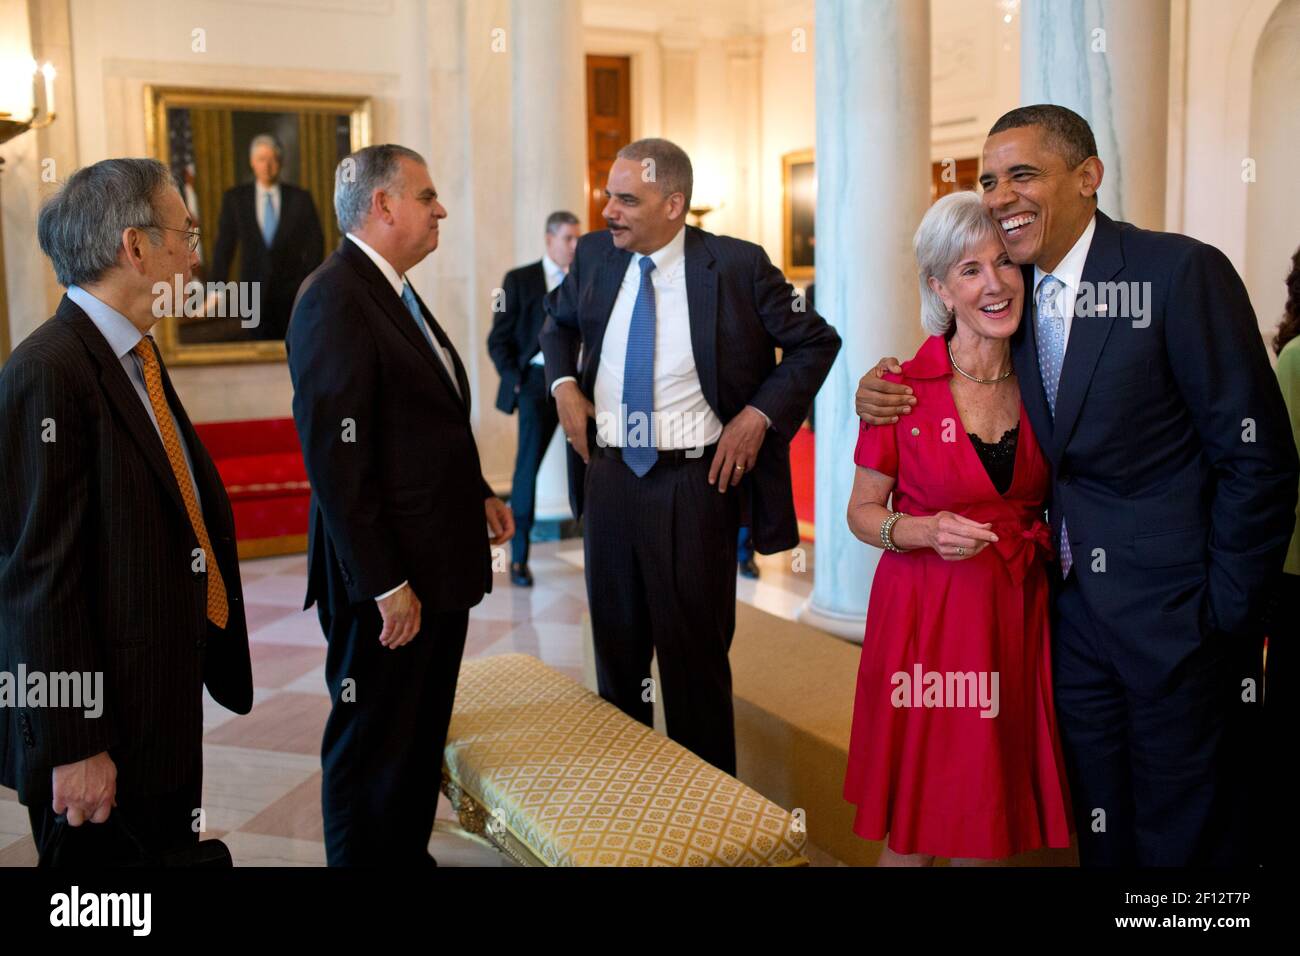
x,y
1049,324
640,453
412,306
269,220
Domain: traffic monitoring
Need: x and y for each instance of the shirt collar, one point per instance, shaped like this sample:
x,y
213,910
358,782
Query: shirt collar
x,y
668,256
122,336
274,188
930,361
552,267
1070,269
395,280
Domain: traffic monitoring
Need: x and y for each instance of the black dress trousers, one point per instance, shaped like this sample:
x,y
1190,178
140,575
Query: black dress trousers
x,y
381,754
661,580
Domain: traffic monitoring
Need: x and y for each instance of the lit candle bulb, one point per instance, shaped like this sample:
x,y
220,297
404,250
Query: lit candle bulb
x,y
48,72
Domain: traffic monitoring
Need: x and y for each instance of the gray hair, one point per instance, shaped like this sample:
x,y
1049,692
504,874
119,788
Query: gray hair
x,y
671,167
560,218
359,174
80,227
947,232
266,139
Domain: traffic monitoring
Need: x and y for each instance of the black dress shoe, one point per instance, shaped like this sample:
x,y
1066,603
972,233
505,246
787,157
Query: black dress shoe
x,y
748,569
520,576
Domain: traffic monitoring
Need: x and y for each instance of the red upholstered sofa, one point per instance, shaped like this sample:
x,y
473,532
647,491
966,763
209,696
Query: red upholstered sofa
x,y
261,466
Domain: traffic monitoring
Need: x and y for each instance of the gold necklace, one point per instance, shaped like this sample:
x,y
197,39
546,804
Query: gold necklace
x,y
982,381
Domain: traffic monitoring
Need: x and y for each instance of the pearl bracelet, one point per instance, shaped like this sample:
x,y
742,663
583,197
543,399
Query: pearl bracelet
x,y
887,532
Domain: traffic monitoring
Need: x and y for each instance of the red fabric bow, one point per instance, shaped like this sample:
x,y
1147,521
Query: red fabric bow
x,y
1019,546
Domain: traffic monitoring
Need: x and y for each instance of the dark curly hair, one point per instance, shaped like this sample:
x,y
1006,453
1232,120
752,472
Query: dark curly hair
x,y
1289,327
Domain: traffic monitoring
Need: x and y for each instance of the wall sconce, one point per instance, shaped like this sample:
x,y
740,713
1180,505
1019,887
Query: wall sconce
x,y
41,76
15,75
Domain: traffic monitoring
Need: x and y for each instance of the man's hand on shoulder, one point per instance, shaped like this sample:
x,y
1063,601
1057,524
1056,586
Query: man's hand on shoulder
x,y
86,790
880,402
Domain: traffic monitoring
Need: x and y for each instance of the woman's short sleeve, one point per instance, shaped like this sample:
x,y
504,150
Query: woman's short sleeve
x,y
877,448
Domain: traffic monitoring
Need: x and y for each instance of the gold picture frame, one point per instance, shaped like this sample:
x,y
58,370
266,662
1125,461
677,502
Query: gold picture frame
x,y
318,128
798,213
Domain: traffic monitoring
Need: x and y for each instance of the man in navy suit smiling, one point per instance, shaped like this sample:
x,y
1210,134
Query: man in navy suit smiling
x,y
1173,498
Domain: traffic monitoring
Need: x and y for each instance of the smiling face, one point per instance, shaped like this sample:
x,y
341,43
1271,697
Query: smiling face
x,y
1041,204
985,289
640,217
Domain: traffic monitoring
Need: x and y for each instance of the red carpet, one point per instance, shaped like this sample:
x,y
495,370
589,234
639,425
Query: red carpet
x,y
802,463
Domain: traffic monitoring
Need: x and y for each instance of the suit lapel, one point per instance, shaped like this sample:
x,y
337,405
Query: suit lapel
x,y
124,398
257,226
1024,356
210,494
702,304
462,379
1088,334
392,306
604,292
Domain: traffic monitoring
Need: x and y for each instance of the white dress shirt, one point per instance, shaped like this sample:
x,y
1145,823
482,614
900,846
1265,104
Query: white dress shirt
x,y
682,417
554,276
122,337
259,204
397,282
1070,271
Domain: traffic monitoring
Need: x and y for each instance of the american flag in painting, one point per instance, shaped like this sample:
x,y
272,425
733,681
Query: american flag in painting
x,y
180,141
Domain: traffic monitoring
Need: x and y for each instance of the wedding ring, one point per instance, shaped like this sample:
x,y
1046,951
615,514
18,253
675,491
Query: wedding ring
x,y
961,552
740,468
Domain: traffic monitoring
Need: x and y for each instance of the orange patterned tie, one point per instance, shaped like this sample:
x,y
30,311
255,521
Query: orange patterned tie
x,y
218,609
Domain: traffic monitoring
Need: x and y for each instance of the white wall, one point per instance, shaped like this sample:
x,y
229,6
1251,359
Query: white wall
x,y
20,190
1223,128
975,75
1273,201
417,60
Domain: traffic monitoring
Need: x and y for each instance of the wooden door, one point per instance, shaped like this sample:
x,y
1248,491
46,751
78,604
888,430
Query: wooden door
x,y
609,125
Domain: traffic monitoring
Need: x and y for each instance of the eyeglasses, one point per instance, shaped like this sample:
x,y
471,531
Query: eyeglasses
x,y
192,235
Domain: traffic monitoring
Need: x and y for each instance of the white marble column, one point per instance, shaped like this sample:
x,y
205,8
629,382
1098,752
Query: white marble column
x,y
1108,60
873,186
550,160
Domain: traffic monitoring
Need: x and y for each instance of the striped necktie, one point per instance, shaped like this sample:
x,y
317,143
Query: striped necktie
x,y
1049,325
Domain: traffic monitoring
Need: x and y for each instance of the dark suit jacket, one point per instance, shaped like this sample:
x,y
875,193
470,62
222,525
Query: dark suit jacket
x,y
513,341
296,249
397,489
741,310
95,568
1171,449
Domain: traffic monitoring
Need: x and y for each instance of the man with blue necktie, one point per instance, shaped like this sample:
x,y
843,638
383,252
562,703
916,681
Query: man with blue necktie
x,y
398,544
278,233
679,330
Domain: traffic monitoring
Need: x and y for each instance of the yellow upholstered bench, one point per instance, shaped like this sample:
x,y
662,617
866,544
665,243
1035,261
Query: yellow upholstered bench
x,y
556,776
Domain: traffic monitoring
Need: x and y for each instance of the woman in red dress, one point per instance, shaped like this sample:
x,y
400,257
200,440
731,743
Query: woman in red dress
x,y
954,750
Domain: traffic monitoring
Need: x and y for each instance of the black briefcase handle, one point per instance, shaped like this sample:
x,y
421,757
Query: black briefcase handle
x,y
210,854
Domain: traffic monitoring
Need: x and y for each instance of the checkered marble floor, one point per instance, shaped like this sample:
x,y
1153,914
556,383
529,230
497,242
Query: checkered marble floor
x,y
261,781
